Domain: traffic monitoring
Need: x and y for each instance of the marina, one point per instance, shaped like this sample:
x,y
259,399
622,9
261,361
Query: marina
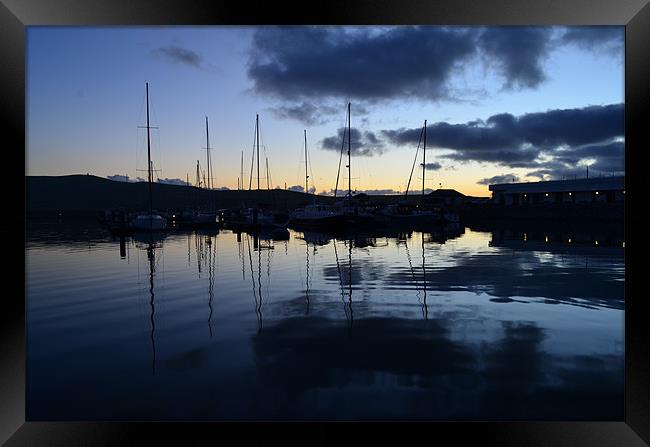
x,y
320,223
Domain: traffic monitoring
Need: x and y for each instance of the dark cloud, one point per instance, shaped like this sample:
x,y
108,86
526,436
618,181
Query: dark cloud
x,y
473,135
300,62
362,143
433,166
369,64
518,53
568,136
180,55
510,158
596,38
507,178
605,153
573,127
306,112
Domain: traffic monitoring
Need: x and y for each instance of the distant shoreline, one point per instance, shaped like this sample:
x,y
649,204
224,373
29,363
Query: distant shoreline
x,y
88,195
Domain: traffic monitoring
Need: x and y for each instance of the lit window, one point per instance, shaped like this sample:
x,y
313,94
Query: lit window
x,y
596,192
546,194
569,240
570,193
623,244
545,238
596,242
623,191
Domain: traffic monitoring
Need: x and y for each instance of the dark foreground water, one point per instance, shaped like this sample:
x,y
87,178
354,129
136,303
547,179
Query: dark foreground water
x,y
459,324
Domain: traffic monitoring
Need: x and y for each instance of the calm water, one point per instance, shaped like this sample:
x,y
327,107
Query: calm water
x,y
461,324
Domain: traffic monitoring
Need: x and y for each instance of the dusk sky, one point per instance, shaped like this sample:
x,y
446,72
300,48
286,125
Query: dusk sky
x,y
527,103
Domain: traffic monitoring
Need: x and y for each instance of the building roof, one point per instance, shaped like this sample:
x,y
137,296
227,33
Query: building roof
x,y
584,184
446,193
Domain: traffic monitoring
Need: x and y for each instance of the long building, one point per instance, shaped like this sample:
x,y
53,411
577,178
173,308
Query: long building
x,y
586,190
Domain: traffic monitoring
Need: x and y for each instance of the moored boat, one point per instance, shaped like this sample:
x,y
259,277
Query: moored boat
x,y
149,221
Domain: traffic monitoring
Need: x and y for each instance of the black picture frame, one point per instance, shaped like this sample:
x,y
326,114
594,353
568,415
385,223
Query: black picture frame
x,y
15,15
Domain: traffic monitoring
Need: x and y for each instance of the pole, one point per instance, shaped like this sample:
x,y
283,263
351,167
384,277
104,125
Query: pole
x,y
306,176
149,152
424,156
207,148
349,164
257,131
267,173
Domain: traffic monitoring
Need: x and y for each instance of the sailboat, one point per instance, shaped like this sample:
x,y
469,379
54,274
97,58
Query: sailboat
x,y
403,211
315,215
149,221
352,211
205,218
257,216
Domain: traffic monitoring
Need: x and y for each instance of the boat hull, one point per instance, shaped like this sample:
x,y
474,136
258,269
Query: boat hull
x,y
319,222
149,223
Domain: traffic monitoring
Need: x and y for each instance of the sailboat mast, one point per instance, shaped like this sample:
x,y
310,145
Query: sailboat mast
x,y
306,176
267,173
349,164
424,156
149,152
242,171
257,131
207,137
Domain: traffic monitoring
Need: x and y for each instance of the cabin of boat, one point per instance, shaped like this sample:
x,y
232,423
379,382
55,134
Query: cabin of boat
x,y
149,221
316,214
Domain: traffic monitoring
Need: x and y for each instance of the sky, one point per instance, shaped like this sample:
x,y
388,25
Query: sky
x,y
502,104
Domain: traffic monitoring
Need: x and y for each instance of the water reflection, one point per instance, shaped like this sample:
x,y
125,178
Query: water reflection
x,y
150,242
257,294
456,323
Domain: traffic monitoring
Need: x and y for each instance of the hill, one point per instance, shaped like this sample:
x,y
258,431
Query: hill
x,y
88,194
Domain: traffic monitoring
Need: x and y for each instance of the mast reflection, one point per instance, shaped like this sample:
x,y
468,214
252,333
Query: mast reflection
x,y
151,242
425,308
258,300
307,280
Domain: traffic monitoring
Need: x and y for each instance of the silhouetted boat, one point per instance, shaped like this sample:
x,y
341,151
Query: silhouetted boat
x,y
254,217
352,211
315,215
117,221
149,221
409,213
